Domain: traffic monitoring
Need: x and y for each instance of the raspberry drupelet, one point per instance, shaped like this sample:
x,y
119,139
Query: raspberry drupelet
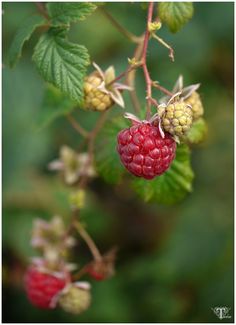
x,y
144,152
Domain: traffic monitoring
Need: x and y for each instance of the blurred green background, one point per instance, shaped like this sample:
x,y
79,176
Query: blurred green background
x,y
174,263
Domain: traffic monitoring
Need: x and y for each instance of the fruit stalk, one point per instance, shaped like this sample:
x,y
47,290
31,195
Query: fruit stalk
x,y
133,38
144,62
77,126
92,246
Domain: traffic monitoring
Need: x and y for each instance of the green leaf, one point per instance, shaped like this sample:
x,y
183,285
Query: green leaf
x,y
64,13
173,185
198,131
107,159
62,63
54,105
23,34
175,14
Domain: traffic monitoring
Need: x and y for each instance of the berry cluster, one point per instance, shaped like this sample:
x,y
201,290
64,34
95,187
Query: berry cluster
x,y
49,279
47,289
147,149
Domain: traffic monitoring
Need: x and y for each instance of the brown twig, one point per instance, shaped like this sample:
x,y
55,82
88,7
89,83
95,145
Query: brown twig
x,y
124,74
133,38
99,124
80,273
130,78
41,9
162,89
90,139
77,126
144,60
89,241
100,121
171,51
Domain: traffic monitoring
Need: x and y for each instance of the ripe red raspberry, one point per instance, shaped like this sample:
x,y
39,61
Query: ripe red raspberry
x,y
144,152
41,287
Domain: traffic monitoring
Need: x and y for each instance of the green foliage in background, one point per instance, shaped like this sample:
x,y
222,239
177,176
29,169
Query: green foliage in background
x,y
177,259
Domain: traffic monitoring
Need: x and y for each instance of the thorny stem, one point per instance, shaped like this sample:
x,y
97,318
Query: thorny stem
x,y
144,59
92,246
133,38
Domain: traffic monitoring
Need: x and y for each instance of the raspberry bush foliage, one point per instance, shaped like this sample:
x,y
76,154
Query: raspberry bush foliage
x,y
147,146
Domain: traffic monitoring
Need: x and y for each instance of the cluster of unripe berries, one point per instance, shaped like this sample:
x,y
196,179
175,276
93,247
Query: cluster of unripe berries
x,y
48,289
49,279
147,148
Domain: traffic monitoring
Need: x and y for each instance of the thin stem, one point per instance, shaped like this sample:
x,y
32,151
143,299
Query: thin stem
x,y
124,74
100,121
154,102
41,9
77,126
144,60
133,38
93,248
171,51
90,139
80,273
162,89
130,78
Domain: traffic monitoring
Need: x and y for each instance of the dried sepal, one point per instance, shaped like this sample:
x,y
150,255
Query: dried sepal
x,y
100,90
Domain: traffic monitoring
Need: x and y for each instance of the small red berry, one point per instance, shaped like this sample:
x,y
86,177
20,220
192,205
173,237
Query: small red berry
x,y
96,274
42,287
144,152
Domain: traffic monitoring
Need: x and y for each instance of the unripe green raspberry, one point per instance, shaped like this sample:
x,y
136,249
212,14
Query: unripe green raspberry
x,y
95,99
101,91
177,118
75,299
195,101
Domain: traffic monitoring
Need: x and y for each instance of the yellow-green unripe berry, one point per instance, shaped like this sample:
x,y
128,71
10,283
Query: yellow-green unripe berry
x,y
195,101
177,118
75,300
95,99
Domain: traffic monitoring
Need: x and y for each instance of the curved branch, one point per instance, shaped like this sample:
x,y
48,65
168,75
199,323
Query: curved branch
x,y
144,61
